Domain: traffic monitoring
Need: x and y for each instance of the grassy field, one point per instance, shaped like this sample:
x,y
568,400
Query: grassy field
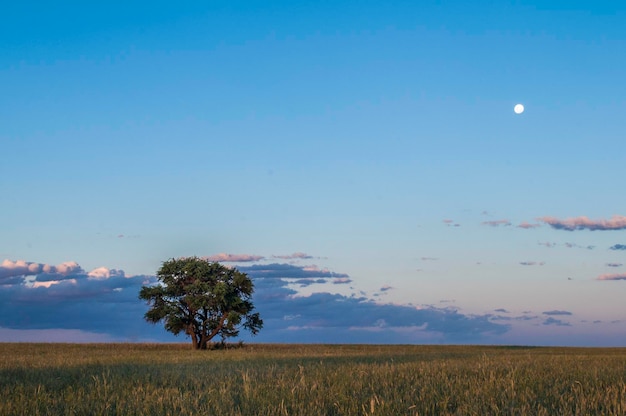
x,y
166,379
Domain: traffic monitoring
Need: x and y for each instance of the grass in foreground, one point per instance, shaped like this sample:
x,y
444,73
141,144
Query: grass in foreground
x,y
171,379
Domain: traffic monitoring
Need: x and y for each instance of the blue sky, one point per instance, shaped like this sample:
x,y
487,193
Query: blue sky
x,y
361,161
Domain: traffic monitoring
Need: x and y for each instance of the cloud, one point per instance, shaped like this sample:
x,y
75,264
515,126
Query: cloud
x,y
288,271
574,245
618,247
497,223
308,282
11,280
618,276
330,317
326,317
10,268
102,305
104,273
614,264
557,313
385,288
525,317
67,298
48,283
240,258
501,310
567,245
617,222
451,223
557,322
547,244
128,236
528,226
532,263
297,255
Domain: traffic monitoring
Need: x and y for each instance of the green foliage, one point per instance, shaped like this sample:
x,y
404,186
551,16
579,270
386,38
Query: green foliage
x,y
149,379
202,299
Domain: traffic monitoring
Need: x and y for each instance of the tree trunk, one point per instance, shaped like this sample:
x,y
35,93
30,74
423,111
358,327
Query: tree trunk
x,y
205,338
194,338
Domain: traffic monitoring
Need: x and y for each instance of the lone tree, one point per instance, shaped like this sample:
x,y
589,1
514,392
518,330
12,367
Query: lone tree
x,y
203,299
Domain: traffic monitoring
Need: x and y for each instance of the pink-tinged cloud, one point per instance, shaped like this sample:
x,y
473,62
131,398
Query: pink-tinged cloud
x,y
528,226
497,223
296,255
226,257
617,222
617,276
49,283
105,273
10,268
315,268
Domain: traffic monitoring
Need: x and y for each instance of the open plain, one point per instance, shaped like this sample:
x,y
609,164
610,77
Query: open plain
x,y
262,379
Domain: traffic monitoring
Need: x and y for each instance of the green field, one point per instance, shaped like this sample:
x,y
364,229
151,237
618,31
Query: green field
x,y
172,379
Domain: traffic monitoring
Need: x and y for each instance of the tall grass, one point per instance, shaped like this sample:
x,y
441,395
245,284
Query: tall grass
x,y
161,379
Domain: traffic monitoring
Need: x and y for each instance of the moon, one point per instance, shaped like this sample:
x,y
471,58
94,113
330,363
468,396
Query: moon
x,y
519,109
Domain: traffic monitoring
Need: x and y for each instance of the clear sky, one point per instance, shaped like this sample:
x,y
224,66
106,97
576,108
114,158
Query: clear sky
x,y
360,160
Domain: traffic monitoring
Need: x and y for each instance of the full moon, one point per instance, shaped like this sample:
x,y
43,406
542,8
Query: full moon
x,y
519,109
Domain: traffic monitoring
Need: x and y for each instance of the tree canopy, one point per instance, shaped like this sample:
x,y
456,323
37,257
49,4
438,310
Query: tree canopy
x,y
202,299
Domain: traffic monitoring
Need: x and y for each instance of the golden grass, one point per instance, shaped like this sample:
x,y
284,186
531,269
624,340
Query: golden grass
x,y
260,379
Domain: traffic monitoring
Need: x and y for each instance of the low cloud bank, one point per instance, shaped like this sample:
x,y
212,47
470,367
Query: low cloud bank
x,y
102,304
331,317
35,296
